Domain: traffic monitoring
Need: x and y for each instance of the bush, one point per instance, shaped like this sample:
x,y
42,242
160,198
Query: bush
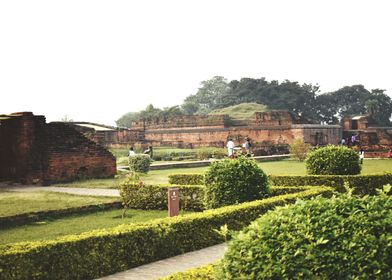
x,y
299,150
362,184
206,153
233,181
206,272
140,163
101,252
340,238
147,197
186,179
333,160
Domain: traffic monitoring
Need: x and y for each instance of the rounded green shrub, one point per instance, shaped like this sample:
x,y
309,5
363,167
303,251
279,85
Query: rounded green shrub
x,y
233,181
333,160
340,238
140,163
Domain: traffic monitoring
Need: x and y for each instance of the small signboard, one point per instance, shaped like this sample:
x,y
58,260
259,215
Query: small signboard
x,y
173,198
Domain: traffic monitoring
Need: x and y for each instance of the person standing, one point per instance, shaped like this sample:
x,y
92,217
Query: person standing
x,y
361,155
230,148
247,146
131,152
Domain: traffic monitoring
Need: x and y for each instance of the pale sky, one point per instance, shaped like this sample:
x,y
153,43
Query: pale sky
x,y
96,60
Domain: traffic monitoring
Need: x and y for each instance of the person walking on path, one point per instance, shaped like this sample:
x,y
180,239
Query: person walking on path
x,y
230,148
361,155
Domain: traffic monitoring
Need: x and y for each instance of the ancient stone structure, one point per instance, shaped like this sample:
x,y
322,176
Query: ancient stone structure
x,y
108,135
376,140
270,132
33,151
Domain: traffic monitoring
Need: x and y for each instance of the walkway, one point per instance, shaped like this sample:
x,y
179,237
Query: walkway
x,y
172,265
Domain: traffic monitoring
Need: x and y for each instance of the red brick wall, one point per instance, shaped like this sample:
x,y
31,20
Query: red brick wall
x,y
72,156
32,151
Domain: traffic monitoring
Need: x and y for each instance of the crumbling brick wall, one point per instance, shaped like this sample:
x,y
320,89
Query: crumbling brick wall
x,y
73,156
201,121
32,151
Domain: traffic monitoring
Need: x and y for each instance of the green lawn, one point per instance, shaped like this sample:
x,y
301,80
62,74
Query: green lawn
x,y
74,224
13,203
111,183
282,167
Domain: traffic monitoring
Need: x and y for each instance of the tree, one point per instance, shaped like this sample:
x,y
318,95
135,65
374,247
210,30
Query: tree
x,y
354,100
66,118
211,95
127,119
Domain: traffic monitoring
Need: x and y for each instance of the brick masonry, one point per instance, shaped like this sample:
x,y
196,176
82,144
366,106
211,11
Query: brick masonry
x,y
276,129
32,151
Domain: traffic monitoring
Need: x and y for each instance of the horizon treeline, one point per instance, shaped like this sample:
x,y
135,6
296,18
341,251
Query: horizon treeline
x,y
303,100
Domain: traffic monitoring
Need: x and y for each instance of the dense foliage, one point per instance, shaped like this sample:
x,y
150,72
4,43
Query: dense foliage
x,y
233,181
303,100
101,252
140,163
333,160
339,238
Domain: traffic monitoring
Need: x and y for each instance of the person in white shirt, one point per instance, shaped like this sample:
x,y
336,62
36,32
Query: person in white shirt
x,y
131,152
361,155
230,148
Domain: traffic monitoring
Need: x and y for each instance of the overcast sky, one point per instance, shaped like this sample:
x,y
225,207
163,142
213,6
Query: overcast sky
x,y
96,60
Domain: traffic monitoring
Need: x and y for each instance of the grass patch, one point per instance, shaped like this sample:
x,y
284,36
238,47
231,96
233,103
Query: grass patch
x,y
111,183
51,228
241,111
281,167
14,203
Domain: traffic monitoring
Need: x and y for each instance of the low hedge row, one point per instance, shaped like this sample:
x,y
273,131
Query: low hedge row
x,y
154,197
102,252
149,197
362,184
206,272
186,179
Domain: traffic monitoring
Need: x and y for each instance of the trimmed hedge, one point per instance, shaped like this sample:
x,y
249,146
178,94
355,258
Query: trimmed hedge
x,y
139,163
362,184
186,179
102,252
155,196
206,272
233,181
333,160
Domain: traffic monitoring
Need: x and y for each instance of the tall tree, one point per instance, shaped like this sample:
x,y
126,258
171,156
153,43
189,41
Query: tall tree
x,y
210,95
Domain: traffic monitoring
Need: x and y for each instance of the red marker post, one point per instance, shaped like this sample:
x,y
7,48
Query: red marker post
x,y
173,198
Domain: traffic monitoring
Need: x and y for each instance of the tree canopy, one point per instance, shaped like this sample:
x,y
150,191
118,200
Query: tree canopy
x,y
304,100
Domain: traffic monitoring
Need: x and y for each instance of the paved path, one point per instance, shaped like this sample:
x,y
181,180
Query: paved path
x,y
172,265
77,191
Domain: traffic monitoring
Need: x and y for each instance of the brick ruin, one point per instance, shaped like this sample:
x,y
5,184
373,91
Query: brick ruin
x,y
376,140
270,132
33,151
